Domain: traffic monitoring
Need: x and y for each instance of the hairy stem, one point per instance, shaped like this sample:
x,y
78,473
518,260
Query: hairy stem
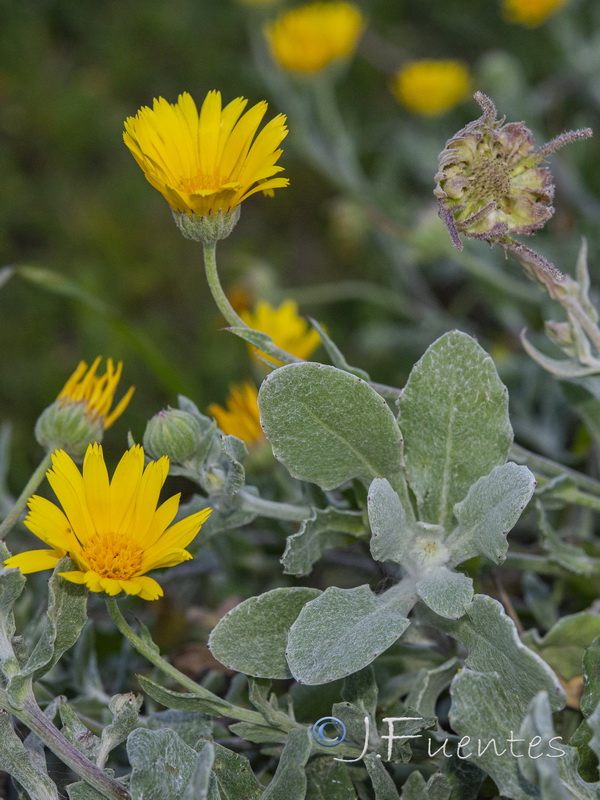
x,y
12,517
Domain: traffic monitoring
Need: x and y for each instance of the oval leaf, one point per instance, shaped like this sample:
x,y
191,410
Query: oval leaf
x,y
328,426
454,417
252,637
343,631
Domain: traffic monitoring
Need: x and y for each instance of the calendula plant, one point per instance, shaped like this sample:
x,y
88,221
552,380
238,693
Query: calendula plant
x,y
415,683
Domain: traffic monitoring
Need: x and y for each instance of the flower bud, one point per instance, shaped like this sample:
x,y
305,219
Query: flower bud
x,y
68,427
173,433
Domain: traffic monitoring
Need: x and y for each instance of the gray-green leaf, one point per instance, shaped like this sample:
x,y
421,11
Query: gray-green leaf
x,y
327,528
453,402
390,540
489,511
446,592
343,631
252,637
162,764
328,426
20,764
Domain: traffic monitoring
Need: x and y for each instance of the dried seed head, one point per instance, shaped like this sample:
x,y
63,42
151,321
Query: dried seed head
x,y
492,182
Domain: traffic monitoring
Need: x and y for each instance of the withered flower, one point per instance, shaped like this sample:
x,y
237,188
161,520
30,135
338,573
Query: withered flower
x,y
492,182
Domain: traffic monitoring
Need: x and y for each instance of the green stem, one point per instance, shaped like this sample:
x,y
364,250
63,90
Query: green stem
x,y
546,466
32,716
146,650
272,509
32,484
225,307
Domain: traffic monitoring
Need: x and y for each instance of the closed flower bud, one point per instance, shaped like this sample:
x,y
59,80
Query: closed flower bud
x,y
83,409
492,182
173,433
68,427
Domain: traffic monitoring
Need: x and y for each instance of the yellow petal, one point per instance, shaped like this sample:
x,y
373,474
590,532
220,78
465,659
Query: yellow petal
x,y
150,589
95,481
49,524
67,483
34,560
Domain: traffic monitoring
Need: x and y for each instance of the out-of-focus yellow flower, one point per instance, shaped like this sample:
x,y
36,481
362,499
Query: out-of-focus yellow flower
x,y
112,530
309,38
206,162
289,331
432,86
241,417
82,411
97,392
530,13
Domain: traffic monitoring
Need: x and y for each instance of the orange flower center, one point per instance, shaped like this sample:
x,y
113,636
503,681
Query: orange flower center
x,y
113,555
202,182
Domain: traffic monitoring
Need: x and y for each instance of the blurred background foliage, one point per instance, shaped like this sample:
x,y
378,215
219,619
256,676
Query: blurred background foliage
x,y
101,269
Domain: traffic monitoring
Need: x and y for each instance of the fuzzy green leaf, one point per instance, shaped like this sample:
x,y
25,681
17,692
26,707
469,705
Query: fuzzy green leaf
x,y
252,637
383,785
198,787
162,764
446,592
189,725
290,777
328,426
328,780
343,631
564,645
489,511
65,618
21,765
390,540
185,701
324,529
454,418
234,777
124,708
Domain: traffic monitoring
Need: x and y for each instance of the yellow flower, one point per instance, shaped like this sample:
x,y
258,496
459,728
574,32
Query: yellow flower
x,y
431,87
113,531
206,162
96,392
285,326
530,13
241,417
82,411
309,38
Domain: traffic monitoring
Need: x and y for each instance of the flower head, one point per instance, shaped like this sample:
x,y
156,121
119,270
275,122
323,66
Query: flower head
x,y
112,530
530,13
241,417
289,331
206,163
491,181
82,410
309,38
431,87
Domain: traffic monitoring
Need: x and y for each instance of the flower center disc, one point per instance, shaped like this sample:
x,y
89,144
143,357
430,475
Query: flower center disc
x,y
113,555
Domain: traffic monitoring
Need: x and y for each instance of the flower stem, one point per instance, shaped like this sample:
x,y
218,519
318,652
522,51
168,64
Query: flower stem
x,y
12,517
32,716
225,307
273,509
150,653
546,466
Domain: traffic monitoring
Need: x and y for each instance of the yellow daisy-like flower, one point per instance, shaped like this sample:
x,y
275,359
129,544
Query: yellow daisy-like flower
x,y
241,417
112,530
82,411
289,331
530,13
309,38
431,87
97,392
208,161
